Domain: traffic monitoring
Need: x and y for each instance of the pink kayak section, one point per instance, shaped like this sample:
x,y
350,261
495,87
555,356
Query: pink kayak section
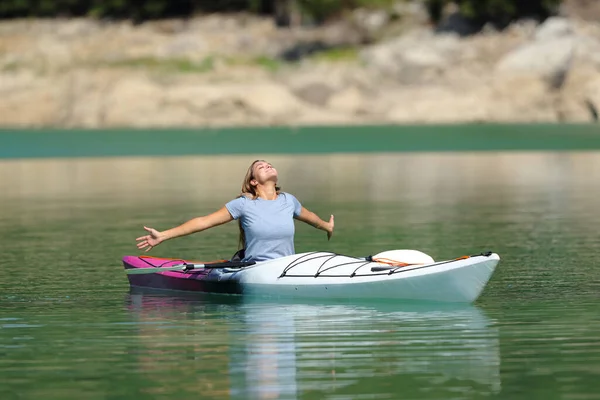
x,y
194,281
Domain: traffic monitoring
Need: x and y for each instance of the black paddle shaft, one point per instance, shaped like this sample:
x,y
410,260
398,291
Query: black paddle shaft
x,y
226,264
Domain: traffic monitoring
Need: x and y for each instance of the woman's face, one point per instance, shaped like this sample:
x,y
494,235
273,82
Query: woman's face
x,y
263,172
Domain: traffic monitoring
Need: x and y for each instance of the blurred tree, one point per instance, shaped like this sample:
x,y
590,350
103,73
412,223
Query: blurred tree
x,y
285,12
499,13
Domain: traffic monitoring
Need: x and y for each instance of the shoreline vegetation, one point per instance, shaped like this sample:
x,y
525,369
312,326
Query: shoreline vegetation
x,y
397,62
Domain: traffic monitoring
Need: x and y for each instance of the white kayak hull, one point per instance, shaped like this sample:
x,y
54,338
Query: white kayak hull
x,y
456,281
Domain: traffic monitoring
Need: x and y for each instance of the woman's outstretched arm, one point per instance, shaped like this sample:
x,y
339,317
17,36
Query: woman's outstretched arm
x,y
313,219
198,224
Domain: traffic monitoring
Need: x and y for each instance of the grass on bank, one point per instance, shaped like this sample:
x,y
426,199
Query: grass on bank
x,y
339,54
166,65
209,63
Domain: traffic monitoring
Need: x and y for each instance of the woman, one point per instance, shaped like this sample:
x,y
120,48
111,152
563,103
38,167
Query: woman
x,y
265,216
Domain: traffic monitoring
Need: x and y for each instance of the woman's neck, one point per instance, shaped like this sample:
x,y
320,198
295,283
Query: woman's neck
x,y
266,192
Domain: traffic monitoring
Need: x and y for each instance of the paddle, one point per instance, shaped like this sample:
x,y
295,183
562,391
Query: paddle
x,y
189,267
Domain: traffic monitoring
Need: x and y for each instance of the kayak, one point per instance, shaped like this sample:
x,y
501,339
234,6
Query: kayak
x,y
322,275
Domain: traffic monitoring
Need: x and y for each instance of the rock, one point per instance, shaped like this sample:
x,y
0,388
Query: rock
x,y
588,50
592,100
412,56
138,102
29,103
523,28
414,11
253,102
68,29
585,10
12,82
324,117
554,28
458,24
381,58
370,21
438,105
54,54
550,55
269,99
317,93
349,101
184,45
494,102
424,57
520,99
83,101
75,73
549,60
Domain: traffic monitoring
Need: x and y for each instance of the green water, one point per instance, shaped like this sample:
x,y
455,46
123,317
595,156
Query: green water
x,y
295,140
71,329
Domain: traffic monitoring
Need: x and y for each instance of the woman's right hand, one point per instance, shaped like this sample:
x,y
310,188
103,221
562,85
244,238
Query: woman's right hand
x,y
153,239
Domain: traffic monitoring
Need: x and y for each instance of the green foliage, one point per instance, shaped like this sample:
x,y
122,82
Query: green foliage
x,y
480,11
132,9
338,54
167,65
186,66
139,10
497,12
322,10
270,64
16,8
150,9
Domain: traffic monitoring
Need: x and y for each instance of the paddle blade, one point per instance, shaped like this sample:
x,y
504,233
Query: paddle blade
x,y
410,257
137,271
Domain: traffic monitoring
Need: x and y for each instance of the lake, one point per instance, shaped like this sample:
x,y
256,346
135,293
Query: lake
x,y
70,327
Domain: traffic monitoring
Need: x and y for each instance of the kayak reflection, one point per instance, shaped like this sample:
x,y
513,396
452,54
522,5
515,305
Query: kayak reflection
x,y
291,350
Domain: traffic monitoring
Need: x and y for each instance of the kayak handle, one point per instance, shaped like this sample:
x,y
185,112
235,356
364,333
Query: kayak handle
x,y
227,264
382,268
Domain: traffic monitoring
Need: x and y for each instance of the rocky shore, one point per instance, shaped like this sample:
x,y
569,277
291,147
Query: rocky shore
x,y
242,70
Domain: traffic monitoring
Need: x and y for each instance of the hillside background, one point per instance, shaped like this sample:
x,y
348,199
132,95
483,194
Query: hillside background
x,y
155,63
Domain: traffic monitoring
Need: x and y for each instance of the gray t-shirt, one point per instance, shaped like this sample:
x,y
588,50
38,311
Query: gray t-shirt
x,y
268,225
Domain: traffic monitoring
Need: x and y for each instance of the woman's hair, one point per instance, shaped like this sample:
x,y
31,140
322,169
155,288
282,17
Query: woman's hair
x,y
249,191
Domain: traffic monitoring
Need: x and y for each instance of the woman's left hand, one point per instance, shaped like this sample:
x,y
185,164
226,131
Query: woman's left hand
x,y
329,228
313,219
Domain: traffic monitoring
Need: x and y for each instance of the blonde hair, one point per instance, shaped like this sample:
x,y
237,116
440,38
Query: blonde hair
x,y
249,191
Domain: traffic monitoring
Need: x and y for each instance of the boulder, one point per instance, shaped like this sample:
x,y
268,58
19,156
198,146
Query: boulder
x,y
549,56
554,28
317,93
412,57
549,60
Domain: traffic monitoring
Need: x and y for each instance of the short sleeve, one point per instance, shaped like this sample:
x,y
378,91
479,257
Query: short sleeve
x,y
296,204
236,207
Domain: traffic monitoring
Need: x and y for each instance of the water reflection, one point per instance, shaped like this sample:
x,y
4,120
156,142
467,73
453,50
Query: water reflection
x,y
339,177
285,350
